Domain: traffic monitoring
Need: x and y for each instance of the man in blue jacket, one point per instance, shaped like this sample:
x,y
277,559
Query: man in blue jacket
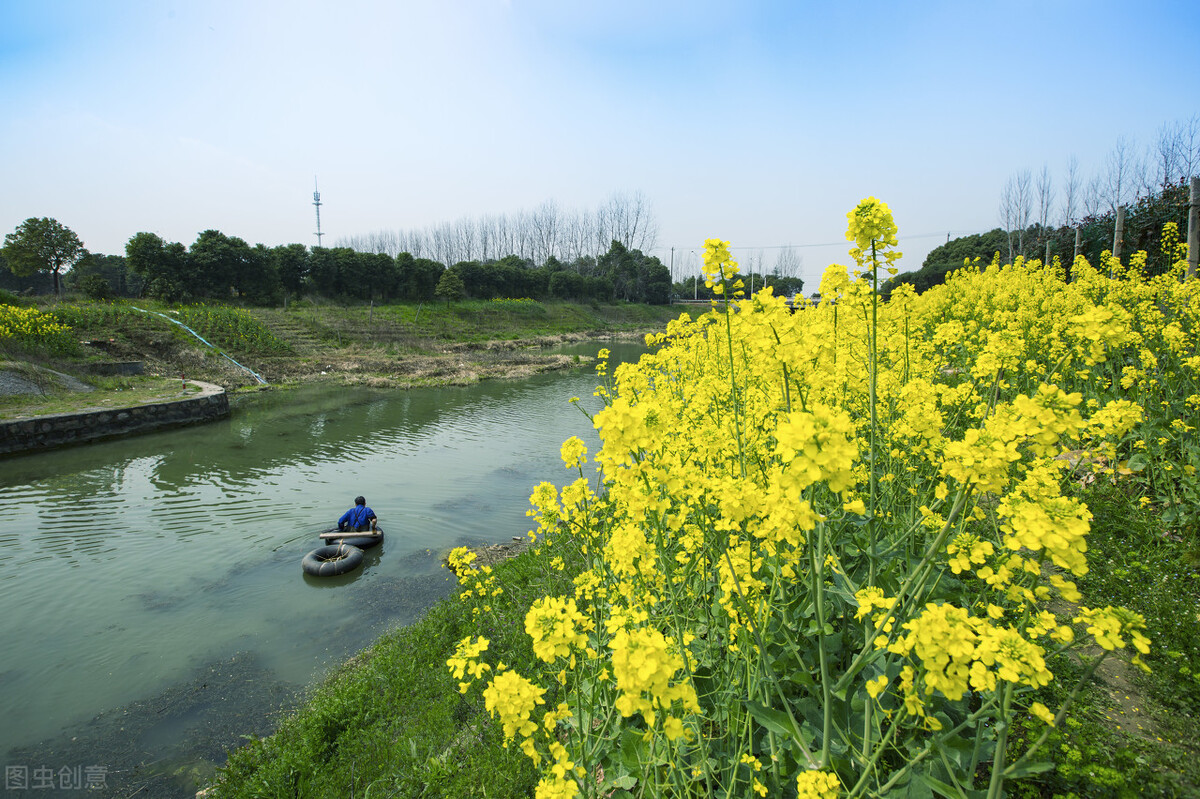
x,y
359,519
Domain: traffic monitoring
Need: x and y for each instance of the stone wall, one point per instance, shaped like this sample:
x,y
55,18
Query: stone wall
x,y
117,368
66,429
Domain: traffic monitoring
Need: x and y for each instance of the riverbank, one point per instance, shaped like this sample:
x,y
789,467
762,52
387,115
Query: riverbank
x,y
391,721
399,346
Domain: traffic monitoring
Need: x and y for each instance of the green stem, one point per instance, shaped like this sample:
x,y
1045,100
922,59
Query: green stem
x,y
869,644
1058,717
997,784
934,743
818,588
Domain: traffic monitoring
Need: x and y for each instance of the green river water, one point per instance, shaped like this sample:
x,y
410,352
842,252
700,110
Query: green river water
x,y
154,609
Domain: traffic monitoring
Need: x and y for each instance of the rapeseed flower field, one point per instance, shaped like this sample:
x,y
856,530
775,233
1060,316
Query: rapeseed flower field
x,y
834,552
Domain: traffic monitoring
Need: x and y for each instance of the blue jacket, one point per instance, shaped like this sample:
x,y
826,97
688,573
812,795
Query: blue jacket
x,y
356,517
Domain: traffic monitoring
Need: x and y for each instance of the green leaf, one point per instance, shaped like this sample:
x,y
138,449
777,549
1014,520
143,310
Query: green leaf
x,y
1138,462
774,720
780,723
918,788
939,787
632,749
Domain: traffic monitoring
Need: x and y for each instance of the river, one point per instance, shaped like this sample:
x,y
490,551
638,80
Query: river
x,y
153,605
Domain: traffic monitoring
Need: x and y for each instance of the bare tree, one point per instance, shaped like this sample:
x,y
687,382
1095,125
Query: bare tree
x,y
536,236
630,221
1167,153
1176,154
441,243
1093,196
1024,206
1123,170
602,232
1016,205
1008,212
487,238
787,263
506,243
1071,192
1045,197
466,237
545,226
1189,148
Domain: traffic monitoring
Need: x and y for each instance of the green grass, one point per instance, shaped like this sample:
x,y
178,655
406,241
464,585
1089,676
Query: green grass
x,y
391,722
110,392
1134,734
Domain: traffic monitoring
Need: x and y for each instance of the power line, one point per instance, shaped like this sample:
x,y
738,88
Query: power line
x,y
959,233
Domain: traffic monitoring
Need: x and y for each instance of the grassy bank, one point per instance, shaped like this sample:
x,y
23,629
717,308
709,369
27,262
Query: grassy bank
x,y
53,395
402,345
1134,733
391,721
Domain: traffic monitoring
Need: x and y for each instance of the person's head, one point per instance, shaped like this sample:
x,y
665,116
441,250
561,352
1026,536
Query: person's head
x,y
360,501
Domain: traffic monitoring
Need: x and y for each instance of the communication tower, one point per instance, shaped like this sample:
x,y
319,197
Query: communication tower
x,y
317,203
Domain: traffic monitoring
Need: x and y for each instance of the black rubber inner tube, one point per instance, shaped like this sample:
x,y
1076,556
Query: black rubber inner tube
x,y
360,541
332,559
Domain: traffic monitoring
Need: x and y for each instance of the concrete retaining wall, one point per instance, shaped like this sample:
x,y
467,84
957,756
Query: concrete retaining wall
x,y
117,368
66,429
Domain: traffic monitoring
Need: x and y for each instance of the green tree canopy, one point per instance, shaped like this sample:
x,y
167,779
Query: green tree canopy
x,y
162,266
636,277
417,278
291,264
42,245
110,268
948,257
450,286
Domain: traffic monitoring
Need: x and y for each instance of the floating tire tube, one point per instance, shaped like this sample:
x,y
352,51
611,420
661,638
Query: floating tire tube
x,y
361,541
332,559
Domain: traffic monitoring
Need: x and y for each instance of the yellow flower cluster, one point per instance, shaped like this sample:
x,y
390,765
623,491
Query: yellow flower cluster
x,y
645,667
512,698
479,585
557,628
817,785
29,327
859,504
574,452
465,661
720,268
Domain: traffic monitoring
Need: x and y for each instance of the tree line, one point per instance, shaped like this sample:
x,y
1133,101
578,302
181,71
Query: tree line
x,y
221,267
1036,212
1129,175
1143,227
548,231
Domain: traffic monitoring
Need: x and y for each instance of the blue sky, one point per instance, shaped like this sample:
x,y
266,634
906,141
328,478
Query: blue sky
x,y
758,122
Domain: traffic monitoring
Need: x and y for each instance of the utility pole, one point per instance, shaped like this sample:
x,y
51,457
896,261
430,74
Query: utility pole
x,y
1194,229
317,203
1119,233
